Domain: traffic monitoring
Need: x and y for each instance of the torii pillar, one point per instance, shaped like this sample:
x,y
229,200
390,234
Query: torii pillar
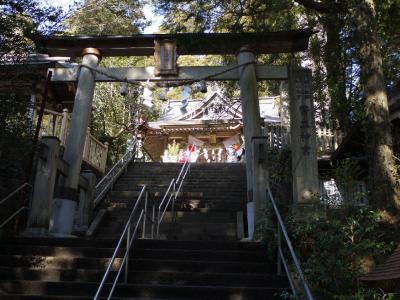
x,y
251,121
67,196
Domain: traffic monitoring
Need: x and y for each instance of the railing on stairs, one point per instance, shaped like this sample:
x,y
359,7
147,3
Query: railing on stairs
x,y
129,233
172,194
23,206
134,221
107,182
281,256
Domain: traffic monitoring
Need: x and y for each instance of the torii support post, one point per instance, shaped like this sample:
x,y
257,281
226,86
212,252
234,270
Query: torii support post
x,y
251,111
303,141
66,200
85,206
43,190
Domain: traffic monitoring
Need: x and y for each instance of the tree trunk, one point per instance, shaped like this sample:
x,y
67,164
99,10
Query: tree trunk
x,y
382,170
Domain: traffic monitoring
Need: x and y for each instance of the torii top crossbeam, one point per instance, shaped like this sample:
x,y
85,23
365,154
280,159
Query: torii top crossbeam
x,y
187,43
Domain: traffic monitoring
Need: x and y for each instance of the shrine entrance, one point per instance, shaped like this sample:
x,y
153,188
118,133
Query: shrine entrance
x,y
165,49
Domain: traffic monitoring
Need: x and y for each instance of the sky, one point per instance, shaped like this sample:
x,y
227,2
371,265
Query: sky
x,y
155,20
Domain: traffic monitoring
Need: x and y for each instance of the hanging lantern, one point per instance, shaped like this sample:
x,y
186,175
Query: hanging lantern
x,y
130,145
165,57
185,97
124,89
163,94
201,87
147,99
149,104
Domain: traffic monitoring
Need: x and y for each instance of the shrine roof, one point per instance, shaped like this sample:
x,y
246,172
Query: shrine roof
x,y
388,270
187,43
201,112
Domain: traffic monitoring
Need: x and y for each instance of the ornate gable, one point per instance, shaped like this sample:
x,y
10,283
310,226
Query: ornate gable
x,y
214,107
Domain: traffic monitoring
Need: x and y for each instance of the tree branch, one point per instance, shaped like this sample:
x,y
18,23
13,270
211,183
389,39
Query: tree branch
x,y
314,5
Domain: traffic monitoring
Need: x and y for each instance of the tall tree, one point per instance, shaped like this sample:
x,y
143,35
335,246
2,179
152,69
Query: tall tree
x,y
385,192
383,172
21,20
111,17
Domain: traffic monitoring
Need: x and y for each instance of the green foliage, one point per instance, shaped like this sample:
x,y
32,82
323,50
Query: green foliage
x,y
107,18
279,165
227,16
347,171
21,20
15,139
335,251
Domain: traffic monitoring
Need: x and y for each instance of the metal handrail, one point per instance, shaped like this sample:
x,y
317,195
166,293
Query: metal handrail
x,y
130,236
172,193
281,257
107,182
9,196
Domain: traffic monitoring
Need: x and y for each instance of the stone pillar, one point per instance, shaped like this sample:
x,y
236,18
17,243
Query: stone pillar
x,y
260,176
250,109
303,139
85,206
67,199
41,207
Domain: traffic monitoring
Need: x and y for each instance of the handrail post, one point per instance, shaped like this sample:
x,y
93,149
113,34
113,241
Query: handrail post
x,y
173,205
128,239
279,242
145,215
158,222
173,210
152,220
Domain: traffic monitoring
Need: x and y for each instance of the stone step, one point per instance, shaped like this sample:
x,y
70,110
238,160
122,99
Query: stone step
x,y
54,297
111,243
207,189
147,253
202,264
146,277
84,289
190,204
133,194
196,217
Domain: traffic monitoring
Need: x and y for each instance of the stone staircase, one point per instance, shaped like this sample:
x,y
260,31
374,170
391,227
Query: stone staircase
x,y
213,195
199,258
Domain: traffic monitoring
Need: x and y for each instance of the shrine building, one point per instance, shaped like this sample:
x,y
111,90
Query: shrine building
x,y
213,124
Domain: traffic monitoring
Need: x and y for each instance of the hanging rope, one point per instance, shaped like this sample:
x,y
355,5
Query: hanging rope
x,y
168,84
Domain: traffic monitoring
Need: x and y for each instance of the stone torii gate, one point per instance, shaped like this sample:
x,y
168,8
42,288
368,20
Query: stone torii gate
x,y
166,47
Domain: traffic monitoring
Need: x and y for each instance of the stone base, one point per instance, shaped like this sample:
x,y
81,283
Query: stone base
x,y
308,211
